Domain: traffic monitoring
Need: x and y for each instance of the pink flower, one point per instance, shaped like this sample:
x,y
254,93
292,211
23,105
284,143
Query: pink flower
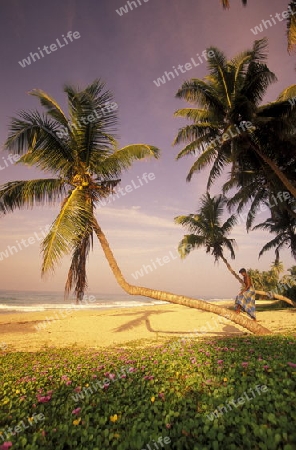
x,y
220,361
112,376
77,389
245,364
6,445
123,376
68,382
291,364
267,367
132,369
161,395
76,411
44,399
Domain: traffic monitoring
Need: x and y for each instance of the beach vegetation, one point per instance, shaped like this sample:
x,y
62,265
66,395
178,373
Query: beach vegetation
x,y
232,393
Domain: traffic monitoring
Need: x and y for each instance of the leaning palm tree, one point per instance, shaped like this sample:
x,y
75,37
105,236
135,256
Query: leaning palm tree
x,y
206,230
81,152
82,155
229,127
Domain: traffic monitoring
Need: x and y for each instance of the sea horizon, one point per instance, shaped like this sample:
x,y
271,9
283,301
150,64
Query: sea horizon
x,y
13,301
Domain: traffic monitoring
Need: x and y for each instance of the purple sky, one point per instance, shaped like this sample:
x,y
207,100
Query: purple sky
x,y
129,52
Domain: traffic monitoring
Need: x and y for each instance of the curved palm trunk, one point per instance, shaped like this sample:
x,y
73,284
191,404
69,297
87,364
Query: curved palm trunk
x,y
260,293
250,325
286,182
231,269
276,297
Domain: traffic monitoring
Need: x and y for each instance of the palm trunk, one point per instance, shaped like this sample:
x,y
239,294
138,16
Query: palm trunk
x,y
286,182
276,297
231,269
250,325
260,293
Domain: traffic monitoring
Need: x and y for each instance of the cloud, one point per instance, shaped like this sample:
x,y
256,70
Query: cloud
x,y
135,218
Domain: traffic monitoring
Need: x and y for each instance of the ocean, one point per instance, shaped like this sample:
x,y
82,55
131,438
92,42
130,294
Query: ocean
x,y
32,301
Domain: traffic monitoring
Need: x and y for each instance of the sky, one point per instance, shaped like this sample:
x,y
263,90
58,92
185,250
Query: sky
x,y
129,50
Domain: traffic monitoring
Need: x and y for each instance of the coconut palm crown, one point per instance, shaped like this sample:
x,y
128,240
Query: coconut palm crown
x,y
206,230
229,126
81,154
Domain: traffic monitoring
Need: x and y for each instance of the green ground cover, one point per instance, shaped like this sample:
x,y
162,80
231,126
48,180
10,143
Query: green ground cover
x,y
230,393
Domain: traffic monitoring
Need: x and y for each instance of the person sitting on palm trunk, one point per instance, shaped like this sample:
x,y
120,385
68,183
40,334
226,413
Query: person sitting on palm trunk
x,y
246,298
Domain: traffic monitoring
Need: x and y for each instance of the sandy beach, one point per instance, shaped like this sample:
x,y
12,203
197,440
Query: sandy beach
x,y
34,331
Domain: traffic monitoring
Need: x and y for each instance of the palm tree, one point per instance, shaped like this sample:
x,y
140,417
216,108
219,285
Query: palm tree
x,y
284,227
229,127
207,231
291,22
82,154
86,164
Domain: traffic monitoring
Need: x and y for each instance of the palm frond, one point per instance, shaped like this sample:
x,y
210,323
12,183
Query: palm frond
x,y
194,114
288,93
77,272
26,194
190,221
189,243
123,158
202,161
208,131
92,120
221,160
37,135
291,27
276,243
257,80
199,92
193,147
67,230
52,107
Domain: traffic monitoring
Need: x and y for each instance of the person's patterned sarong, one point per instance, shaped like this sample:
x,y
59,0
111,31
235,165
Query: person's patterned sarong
x,y
247,302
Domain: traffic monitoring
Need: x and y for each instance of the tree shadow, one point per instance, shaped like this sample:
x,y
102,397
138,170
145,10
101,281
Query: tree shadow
x,y
144,319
